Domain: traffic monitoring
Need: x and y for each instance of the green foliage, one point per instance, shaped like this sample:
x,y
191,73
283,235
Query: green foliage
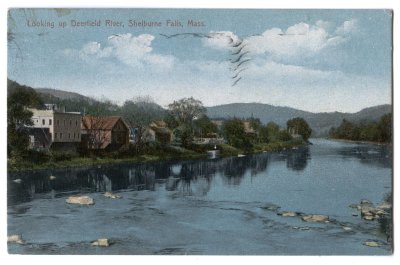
x,y
19,98
186,109
141,112
234,132
255,123
263,134
299,126
171,121
272,132
203,127
366,131
183,135
283,136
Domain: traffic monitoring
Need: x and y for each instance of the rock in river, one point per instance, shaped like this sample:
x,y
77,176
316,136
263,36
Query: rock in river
x,y
289,214
111,195
371,243
101,242
15,239
365,201
82,200
315,218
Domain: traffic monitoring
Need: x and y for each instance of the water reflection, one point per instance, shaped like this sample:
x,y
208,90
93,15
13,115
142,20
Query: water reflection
x,y
188,178
297,161
377,155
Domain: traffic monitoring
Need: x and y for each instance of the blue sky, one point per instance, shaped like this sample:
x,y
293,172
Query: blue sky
x,y
315,60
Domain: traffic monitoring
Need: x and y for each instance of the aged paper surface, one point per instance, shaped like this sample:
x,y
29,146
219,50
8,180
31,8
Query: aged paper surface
x,y
199,131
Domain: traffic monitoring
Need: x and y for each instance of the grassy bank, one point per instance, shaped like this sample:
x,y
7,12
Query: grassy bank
x,y
171,153
78,161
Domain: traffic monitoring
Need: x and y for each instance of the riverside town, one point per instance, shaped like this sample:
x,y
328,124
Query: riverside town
x,y
199,132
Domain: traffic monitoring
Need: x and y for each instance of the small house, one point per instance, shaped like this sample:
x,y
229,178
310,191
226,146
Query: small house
x,y
104,132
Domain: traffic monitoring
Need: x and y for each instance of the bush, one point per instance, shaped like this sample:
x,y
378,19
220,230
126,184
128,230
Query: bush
x,y
63,156
37,157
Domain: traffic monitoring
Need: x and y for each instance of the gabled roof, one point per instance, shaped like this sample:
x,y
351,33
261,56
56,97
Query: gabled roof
x,y
100,122
158,124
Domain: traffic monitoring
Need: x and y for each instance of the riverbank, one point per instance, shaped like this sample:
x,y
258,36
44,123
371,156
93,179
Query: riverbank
x,y
357,141
183,154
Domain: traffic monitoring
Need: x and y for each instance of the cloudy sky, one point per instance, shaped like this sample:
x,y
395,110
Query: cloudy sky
x,y
315,60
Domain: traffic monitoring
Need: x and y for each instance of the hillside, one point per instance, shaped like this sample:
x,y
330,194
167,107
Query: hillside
x,y
319,122
62,95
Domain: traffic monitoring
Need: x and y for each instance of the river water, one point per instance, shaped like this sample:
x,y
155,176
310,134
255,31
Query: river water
x,y
223,206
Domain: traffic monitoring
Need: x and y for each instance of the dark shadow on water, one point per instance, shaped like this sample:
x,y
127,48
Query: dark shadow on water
x,y
186,177
373,155
297,160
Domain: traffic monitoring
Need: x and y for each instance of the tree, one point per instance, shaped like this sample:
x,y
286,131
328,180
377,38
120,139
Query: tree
x,y
95,134
272,131
234,132
263,134
19,99
380,131
255,123
138,114
183,135
385,128
299,126
184,112
186,109
204,127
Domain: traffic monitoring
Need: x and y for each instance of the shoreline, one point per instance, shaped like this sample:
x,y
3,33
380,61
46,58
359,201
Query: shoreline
x,y
147,158
358,141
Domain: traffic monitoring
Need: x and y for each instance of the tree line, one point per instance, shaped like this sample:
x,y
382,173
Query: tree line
x,y
186,119
373,131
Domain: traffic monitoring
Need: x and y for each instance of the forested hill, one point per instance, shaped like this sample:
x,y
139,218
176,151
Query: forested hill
x,y
142,108
319,122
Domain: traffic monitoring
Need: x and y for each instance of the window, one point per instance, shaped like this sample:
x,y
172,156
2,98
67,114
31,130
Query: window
x,y
74,136
64,122
69,136
76,123
49,121
60,135
58,122
78,135
70,123
55,135
43,121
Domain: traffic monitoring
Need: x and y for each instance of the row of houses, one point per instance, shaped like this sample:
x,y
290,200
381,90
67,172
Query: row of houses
x,y
68,130
57,128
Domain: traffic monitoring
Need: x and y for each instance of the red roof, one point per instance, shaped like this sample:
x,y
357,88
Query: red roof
x,y
100,122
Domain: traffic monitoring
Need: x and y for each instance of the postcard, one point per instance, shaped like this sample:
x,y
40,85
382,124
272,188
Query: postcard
x,y
199,131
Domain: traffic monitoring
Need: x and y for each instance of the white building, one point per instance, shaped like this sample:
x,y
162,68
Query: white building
x,y
64,127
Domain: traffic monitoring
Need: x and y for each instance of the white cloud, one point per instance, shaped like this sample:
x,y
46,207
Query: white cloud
x,y
128,49
94,49
301,39
293,72
220,39
348,27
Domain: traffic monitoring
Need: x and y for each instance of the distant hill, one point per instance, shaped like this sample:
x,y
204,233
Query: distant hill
x,y
319,122
60,94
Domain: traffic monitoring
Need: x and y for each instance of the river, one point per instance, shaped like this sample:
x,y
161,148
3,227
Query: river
x,y
226,206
